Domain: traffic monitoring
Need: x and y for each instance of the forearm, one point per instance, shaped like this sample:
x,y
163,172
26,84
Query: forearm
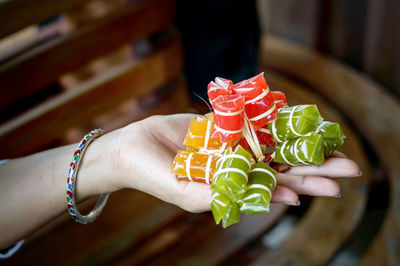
x,y
33,188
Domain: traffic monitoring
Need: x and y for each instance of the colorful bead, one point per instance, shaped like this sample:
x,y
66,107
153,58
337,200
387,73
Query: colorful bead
x,y
72,209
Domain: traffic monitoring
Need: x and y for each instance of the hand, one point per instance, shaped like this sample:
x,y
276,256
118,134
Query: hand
x,y
147,148
314,180
146,154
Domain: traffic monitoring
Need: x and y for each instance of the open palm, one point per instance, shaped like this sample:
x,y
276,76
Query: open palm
x,y
147,150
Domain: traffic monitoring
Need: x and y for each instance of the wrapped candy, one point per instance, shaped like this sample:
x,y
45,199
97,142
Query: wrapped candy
x,y
249,123
293,122
229,116
259,106
193,166
229,185
200,136
264,136
303,150
219,87
279,99
262,182
225,210
232,169
333,136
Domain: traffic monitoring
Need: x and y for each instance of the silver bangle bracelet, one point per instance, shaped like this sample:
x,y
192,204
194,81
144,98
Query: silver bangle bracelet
x,y
71,182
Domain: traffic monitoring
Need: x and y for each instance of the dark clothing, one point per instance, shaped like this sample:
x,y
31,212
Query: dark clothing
x,y
220,38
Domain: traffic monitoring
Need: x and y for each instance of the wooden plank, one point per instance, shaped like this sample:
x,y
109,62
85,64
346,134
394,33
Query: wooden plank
x,y
382,54
341,30
174,100
22,13
329,222
295,20
139,217
376,253
29,72
208,243
226,242
367,105
48,121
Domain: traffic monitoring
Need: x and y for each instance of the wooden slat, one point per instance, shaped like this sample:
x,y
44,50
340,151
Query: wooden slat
x,y
341,30
174,100
128,218
48,121
329,222
368,106
296,20
29,72
17,14
382,54
207,244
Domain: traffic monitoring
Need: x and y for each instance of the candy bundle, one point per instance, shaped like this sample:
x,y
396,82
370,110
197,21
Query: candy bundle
x,y
250,130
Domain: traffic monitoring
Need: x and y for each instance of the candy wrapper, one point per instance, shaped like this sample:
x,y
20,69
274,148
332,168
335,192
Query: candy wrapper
x,y
230,184
259,105
262,182
251,127
333,136
302,150
194,166
293,122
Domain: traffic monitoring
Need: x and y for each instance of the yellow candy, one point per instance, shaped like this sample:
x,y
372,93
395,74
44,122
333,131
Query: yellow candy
x,y
192,166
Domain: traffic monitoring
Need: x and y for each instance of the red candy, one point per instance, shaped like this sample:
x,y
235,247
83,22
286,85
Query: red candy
x,y
279,99
259,105
264,137
242,142
229,116
219,87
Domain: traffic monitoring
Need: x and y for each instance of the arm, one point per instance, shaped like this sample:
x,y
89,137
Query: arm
x,y
138,156
33,188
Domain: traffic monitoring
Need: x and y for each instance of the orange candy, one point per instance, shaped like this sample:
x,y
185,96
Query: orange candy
x,y
198,167
200,134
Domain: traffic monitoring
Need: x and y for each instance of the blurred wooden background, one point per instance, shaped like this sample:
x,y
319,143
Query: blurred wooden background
x,y
70,66
362,34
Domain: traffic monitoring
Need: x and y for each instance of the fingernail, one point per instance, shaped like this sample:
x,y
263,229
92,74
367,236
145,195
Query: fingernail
x,y
359,174
295,203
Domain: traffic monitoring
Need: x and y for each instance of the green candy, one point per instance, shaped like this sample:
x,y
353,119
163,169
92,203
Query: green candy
x,y
219,206
229,185
232,215
224,209
262,182
233,169
333,136
304,150
293,122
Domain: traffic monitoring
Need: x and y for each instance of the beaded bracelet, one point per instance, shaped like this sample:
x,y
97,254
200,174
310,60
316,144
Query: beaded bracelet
x,y
71,181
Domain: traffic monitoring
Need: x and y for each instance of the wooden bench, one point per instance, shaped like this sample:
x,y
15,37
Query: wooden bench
x,y
27,73
136,228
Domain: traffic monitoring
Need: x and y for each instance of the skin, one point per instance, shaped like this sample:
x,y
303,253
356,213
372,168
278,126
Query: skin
x,y
138,156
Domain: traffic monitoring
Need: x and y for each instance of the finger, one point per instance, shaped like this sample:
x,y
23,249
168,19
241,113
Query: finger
x,y
310,185
196,197
338,154
170,129
285,195
332,167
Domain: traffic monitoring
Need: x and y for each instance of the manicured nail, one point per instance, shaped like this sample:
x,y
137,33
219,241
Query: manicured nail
x,y
295,203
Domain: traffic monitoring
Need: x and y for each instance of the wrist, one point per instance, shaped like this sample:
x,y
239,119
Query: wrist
x,y
98,172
